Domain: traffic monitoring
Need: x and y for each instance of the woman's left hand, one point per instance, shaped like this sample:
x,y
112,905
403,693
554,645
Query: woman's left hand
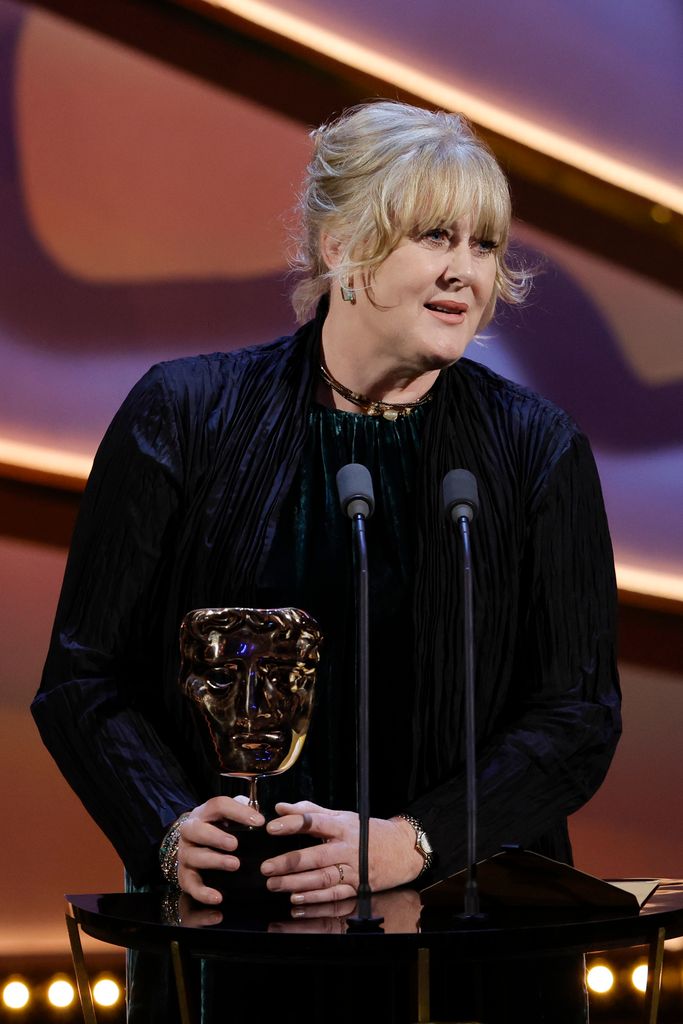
x,y
328,871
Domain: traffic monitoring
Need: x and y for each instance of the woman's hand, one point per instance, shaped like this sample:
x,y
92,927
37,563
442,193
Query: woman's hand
x,y
205,844
328,871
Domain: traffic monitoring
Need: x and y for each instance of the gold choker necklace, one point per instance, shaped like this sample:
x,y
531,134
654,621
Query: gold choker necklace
x,y
389,410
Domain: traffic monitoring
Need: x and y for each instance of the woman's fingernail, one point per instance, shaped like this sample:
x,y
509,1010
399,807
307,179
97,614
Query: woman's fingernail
x,y
267,867
275,826
255,819
298,897
298,912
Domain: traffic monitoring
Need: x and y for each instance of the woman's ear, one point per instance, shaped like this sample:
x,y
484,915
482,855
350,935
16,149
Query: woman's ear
x,y
331,249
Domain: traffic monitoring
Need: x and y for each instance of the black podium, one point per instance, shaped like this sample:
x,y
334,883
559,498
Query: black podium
x,y
414,940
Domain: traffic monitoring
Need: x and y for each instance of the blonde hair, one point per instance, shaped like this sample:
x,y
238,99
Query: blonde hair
x,y
386,170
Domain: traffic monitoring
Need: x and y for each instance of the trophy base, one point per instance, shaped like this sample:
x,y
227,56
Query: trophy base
x,y
255,846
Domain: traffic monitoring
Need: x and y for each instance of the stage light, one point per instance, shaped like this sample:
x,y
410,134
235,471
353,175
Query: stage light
x,y
600,978
60,993
106,992
15,995
639,977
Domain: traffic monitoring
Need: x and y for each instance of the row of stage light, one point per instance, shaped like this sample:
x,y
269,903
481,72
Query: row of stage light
x,y
19,995
601,978
59,992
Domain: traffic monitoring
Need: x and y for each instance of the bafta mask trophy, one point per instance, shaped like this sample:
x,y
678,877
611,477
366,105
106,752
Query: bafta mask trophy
x,y
251,674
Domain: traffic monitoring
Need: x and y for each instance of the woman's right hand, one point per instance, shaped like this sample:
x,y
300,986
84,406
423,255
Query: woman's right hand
x,y
204,844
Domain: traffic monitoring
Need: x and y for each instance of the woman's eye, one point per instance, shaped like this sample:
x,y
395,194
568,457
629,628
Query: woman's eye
x,y
485,245
437,235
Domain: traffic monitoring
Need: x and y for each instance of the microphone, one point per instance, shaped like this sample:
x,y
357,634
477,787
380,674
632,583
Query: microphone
x,y
461,504
460,496
354,485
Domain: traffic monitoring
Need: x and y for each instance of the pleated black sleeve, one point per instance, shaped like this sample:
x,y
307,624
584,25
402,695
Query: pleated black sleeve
x,y
545,751
177,513
96,709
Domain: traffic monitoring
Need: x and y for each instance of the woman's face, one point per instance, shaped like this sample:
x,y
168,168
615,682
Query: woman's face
x,y
430,294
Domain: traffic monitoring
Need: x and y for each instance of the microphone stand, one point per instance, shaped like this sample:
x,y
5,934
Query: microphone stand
x,y
355,490
471,909
363,919
461,502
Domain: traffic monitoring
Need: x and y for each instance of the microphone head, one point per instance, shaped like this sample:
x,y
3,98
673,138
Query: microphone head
x,y
354,485
460,495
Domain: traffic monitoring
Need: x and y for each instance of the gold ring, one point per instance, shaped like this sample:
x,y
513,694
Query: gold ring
x,y
340,869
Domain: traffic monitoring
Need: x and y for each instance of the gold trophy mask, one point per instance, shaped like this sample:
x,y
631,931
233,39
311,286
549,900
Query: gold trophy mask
x,y
251,674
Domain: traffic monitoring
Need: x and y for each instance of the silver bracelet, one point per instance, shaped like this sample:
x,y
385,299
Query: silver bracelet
x,y
168,851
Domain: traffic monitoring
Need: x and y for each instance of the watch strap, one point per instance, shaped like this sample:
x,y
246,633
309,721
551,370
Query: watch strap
x,y
422,844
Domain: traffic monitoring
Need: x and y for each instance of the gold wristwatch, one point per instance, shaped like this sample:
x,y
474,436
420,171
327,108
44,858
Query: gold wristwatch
x,y
422,844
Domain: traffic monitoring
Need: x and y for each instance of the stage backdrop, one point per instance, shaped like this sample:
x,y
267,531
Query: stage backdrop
x,y
145,215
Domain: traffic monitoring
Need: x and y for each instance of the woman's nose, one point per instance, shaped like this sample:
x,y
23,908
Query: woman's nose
x,y
460,266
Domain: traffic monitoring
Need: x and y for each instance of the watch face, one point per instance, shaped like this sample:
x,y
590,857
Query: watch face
x,y
421,842
424,843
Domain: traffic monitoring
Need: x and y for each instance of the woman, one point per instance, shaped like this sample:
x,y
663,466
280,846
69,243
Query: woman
x,y
215,486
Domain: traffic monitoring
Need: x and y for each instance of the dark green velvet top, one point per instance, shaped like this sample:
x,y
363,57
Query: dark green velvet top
x,y
311,567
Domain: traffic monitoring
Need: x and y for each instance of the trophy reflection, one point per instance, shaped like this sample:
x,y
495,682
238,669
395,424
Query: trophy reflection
x,y
251,673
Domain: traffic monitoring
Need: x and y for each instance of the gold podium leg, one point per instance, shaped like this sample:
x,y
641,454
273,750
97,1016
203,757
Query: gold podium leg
x,y
423,987
182,984
82,981
655,962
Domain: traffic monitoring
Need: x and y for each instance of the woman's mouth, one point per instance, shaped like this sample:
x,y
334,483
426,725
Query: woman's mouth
x,y
448,312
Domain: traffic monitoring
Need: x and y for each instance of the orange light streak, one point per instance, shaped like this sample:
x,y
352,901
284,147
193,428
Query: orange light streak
x,y
439,92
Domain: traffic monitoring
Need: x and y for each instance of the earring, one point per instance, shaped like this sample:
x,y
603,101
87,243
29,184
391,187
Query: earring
x,y
348,293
